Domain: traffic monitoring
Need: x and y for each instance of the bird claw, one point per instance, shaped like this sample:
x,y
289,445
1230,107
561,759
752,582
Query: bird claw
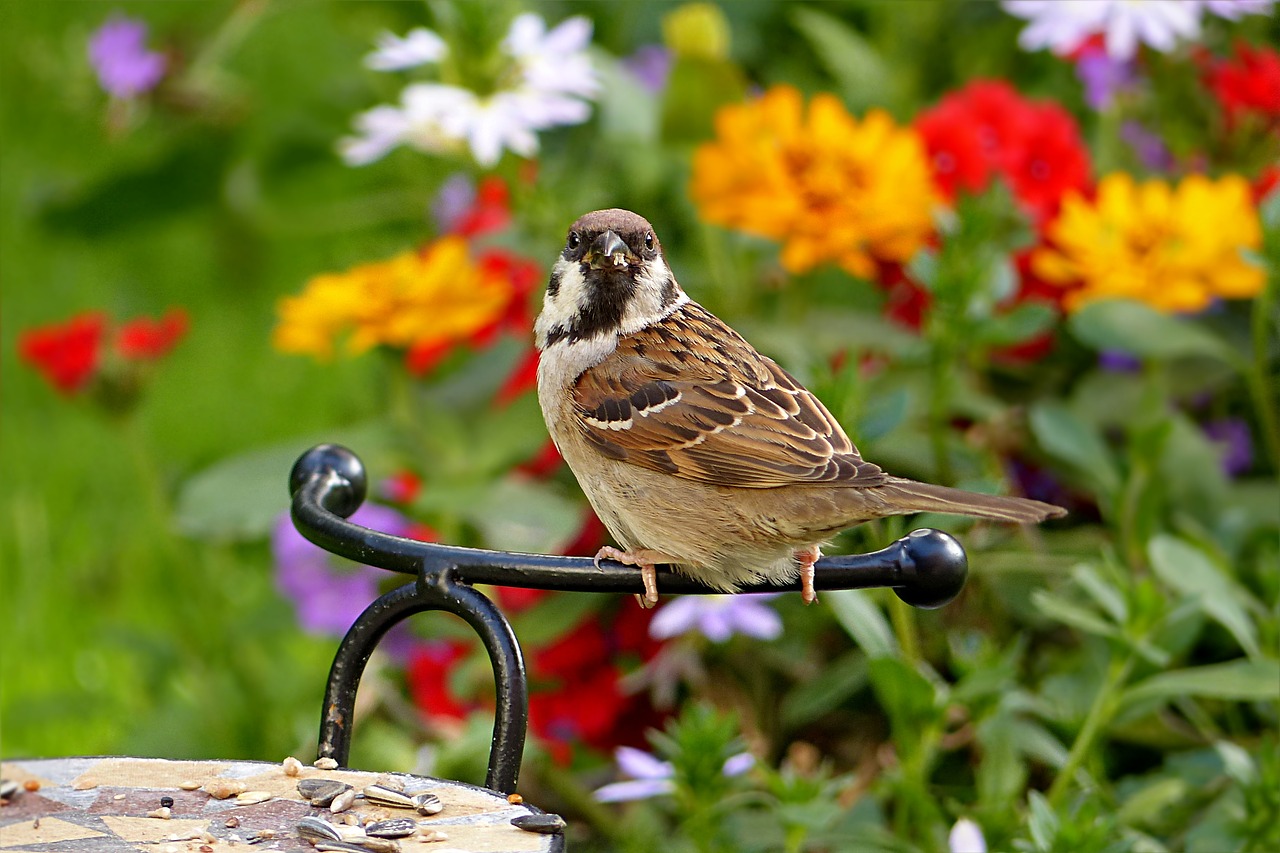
x,y
648,572
807,557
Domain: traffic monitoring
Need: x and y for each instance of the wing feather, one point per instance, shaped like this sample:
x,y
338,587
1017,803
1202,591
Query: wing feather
x,y
688,396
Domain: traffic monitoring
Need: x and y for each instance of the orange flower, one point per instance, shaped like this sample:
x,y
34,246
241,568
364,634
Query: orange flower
x,y
830,187
422,301
1175,248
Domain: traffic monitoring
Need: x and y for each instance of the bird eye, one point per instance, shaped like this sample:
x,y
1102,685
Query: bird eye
x,y
574,240
648,240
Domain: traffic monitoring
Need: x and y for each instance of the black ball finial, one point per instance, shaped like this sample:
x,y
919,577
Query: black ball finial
x,y
350,485
935,567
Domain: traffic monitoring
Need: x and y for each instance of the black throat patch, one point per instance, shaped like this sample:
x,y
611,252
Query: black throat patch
x,y
608,294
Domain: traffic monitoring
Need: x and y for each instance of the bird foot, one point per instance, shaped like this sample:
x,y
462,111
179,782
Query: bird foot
x,y
807,557
647,560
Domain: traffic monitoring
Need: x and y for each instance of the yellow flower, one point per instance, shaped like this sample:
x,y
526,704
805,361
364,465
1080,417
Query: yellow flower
x,y
829,187
1174,248
433,297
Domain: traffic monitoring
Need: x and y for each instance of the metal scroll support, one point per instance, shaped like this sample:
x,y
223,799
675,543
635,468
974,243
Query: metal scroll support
x,y
925,568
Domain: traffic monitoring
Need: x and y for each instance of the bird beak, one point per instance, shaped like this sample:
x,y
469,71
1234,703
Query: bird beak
x,y
608,251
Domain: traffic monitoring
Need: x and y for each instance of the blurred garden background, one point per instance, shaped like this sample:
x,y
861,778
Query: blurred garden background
x,y
1027,247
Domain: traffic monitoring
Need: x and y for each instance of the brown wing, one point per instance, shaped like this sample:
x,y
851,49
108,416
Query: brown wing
x,y
665,399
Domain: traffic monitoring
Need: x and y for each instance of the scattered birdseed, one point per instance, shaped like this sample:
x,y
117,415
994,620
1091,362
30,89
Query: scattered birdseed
x,y
252,798
343,801
166,802
221,789
162,813
325,763
291,766
515,799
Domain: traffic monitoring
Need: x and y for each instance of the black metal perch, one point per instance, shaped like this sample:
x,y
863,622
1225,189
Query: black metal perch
x,y
925,568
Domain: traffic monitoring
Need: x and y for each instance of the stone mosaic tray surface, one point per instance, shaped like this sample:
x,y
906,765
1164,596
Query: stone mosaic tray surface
x,y
96,805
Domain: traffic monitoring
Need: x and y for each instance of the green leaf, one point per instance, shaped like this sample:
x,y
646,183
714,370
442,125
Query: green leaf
x,y
1103,592
1238,680
851,60
883,414
1191,572
864,621
526,516
1022,323
1139,329
240,498
910,699
1002,774
811,699
1067,437
1072,614
1042,821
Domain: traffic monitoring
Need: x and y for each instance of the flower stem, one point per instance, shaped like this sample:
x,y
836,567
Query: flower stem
x,y
904,626
1259,381
1104,705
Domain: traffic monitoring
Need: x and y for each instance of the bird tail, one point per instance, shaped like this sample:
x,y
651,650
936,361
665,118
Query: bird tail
x,y
910,496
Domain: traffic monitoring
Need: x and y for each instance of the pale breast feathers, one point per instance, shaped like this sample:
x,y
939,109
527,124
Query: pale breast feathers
x,y
665,400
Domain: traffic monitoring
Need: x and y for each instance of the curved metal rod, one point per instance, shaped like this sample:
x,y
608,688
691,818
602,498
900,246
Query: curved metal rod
x,y
926,568
433,592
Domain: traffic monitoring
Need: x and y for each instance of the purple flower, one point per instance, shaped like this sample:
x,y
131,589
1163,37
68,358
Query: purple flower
x,y
453,201
718,617
327,592
1152,153
1233,436
1104,76
1119,361
119,55
651,777
651,65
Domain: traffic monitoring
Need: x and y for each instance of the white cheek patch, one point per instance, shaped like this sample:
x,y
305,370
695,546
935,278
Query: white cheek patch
x,y
647,305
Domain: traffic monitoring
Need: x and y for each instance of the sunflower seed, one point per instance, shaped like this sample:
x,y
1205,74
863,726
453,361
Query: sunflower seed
x,y
343,801
399,827
9,789
252,798
340,845
314,829
384,796
320,792
427,804
546,824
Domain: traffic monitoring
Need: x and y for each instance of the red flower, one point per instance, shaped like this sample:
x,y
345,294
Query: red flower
x,y
1047,161
1266,183
147,339
428,677
1250,84
402,487
987,129
956,150
491,210
67,354
544,464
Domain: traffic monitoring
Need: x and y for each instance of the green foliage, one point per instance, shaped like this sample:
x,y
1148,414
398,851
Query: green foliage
x,y
1109,682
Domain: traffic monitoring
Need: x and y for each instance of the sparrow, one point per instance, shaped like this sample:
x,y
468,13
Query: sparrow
x,y
693,448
